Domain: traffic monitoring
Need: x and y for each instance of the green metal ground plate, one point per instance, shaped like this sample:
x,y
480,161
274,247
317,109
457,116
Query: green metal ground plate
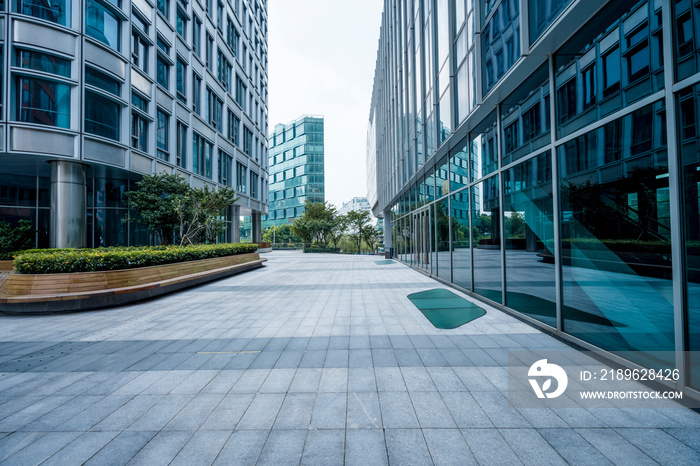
x,y
445,309
384,262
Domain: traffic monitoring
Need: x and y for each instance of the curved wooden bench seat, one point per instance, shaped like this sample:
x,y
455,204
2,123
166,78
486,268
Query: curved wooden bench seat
x,y
66,292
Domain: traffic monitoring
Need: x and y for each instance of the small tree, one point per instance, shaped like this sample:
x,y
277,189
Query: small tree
x,y
155,200
317,223
357,221
199,213
280,234
371,235
14,239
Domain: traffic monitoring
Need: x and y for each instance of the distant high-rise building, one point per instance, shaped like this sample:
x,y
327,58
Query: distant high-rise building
x,y
296,169
107,91
360,204
543,155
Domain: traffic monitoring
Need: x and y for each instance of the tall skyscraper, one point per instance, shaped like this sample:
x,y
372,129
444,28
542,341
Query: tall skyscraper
x,y
107,91
296,169
546,160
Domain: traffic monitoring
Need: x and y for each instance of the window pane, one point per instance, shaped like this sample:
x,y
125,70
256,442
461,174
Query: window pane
x,y
102,24
101,116
616,247
486,218
56,11
461,245
43,102
101,80
43,62
529,239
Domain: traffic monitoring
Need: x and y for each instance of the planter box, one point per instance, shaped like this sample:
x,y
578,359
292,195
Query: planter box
x,y
6,266
66,292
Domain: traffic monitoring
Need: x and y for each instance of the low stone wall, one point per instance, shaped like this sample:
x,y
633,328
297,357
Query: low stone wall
x,y
67,292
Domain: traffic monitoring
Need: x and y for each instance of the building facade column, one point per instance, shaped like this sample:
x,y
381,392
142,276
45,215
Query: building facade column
x,y
68,204
256,228
388,246
235,224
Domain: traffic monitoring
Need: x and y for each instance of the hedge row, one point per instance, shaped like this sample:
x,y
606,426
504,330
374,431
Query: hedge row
x,y
101,259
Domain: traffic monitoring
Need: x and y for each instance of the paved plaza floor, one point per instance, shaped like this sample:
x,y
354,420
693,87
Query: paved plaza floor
x,y
312,359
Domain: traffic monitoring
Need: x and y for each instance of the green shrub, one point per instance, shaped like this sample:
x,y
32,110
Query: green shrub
x,y
15,238
101,259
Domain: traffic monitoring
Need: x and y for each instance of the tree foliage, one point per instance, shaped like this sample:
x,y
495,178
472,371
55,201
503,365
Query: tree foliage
x,y
357,223
13,239
175,212
318,224
155,201
280,234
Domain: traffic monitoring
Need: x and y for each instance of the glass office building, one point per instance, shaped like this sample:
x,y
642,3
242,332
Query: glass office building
x,y
296,169
96,93
547,160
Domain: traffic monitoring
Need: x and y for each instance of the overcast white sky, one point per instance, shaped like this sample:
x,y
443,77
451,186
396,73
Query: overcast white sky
x,y
322,55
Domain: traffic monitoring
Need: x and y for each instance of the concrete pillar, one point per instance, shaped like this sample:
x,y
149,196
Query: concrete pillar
x,y
256,220
235,224
68,204
388,247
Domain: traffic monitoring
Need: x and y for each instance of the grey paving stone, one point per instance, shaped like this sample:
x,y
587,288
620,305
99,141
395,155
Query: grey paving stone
x,y
98,411
121,449
334,380
296,411
531,448
222,382
448,447
262,412
250,381
81,449
407,446
397,411
16,441
389,379
360,358
194,413
283,447
496,407
41,449
313,359
161,413
289,360
35,410
431,410
324,447
364,447
202,448
243,447
194,383
418,379
489,447
127,414
363,411
615,447
329,411
690,437
384,357
63,413
305,380
572,447
661,446
361,379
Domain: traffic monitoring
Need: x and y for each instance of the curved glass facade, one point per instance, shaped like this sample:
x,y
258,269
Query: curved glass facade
x,y
568,191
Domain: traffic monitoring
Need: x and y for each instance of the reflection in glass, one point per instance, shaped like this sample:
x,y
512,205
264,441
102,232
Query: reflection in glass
x,y
101,24
616,249
529,238
43,102
56,11
459,169
690,160
486,217
442,220
461,245
542,13
484,149
101,116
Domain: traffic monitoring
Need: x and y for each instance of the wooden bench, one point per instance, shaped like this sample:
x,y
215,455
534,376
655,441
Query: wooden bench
x,y
65,292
